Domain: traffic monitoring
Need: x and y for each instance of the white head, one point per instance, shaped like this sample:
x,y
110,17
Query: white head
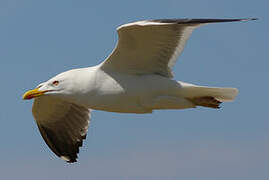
x,y
62,85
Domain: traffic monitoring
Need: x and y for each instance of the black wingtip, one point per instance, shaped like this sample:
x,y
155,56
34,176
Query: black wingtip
x,y
69,159
200,21
249,19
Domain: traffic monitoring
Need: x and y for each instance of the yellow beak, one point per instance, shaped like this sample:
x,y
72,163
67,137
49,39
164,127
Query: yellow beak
x,y
33,93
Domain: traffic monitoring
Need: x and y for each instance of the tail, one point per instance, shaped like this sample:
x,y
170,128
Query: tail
x,y
208,96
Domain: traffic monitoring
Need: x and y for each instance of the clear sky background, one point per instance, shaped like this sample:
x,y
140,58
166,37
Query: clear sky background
x,y
39,39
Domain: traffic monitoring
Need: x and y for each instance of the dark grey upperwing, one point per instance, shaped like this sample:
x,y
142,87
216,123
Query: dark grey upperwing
x,y
62,125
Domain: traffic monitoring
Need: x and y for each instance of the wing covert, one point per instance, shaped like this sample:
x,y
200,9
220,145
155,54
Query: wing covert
x,y
153,46
148,47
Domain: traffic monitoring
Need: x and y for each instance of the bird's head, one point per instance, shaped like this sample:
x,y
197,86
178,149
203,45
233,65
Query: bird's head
x,y
45,88
60,85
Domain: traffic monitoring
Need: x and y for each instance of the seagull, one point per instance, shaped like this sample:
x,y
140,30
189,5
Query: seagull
x,y
135,78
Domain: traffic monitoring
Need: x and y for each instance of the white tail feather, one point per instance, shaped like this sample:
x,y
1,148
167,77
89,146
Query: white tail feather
x,y
221,94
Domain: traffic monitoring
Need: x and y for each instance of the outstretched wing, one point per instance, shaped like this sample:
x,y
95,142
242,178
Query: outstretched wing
x,y
63,125
153,46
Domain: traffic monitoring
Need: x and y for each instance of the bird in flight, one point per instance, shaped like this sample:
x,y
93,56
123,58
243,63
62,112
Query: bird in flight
x,y
135,78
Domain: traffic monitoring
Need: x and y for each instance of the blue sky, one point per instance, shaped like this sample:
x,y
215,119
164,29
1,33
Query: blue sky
x,y
39,39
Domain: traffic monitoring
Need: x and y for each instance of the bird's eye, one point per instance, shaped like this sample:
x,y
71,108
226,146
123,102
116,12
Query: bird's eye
x,y
55,83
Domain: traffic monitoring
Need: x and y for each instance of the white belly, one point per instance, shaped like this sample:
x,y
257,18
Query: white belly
x,y
135,94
